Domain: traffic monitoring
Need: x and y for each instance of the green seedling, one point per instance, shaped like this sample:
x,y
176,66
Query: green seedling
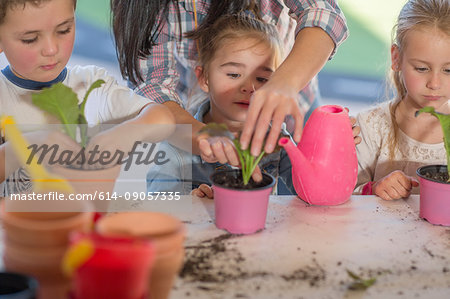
x,y
444,119
359,283
62,102
247,160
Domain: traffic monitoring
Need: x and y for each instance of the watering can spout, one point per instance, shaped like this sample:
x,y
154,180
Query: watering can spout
x,y
301,167
294,153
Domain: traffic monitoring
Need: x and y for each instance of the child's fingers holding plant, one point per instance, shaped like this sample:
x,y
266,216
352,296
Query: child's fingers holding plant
x,y
395,185
218,149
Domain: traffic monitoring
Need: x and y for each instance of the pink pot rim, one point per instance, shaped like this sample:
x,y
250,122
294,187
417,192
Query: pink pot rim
x,y
438,167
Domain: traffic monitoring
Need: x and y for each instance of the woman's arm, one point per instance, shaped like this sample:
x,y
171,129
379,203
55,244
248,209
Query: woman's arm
x,y
278,97
182,117
321,28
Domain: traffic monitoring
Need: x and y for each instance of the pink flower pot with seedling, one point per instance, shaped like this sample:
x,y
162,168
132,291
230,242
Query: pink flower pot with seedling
x,y
435,179
241,211
434,196
324,163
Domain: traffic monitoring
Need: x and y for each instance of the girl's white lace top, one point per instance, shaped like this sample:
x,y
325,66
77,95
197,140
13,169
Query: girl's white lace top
x,y
373,151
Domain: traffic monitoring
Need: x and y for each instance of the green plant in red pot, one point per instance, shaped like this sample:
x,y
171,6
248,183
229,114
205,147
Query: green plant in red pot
x,y
435,179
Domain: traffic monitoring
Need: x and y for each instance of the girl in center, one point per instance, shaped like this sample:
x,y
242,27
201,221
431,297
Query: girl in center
x,y
237,55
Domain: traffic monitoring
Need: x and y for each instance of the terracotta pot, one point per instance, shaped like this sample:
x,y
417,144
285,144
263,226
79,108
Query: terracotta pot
x,y
241,211
434,196
44,229
164,272
167,235
92,182
15,286
36,242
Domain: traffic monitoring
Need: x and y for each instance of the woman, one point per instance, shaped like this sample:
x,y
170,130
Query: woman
x,y
158,60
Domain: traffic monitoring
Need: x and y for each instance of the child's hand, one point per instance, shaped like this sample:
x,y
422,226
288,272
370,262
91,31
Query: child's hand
x,y
203,190
355,129
395,185
49,139
217,149
222,150
117,138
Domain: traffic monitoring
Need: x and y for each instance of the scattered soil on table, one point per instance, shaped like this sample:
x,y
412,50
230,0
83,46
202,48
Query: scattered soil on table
x,y
213,261
216,261
313,274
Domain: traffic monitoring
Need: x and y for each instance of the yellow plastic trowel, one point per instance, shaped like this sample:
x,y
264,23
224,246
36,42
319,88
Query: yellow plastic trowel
x,y
42,180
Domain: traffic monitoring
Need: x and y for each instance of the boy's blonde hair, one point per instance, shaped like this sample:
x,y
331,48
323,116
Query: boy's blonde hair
x,y
234,27
5,5
432,14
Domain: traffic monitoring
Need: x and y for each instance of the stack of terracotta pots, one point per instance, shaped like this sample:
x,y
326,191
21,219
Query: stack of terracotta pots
x,y
167,235
35,243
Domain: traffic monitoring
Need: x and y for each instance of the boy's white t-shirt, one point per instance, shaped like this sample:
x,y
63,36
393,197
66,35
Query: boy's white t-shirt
x,y
110,103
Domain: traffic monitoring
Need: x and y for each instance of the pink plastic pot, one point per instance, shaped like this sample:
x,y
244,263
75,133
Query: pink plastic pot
x,y
241,211
434,197
324,164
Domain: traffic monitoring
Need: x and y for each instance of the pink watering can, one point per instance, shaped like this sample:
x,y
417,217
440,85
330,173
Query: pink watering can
x,y
324,164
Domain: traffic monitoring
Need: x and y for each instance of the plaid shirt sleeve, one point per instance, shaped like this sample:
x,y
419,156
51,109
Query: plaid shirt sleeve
x,y
325,14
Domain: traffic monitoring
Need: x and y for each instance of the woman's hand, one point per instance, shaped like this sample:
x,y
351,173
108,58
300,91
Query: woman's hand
x,y
272,102
395,185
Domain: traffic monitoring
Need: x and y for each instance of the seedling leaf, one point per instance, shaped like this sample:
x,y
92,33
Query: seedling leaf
x,y
360,283
444,119
62,102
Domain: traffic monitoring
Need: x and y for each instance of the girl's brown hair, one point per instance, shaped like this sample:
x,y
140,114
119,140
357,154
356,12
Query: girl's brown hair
x,y
414,14
234,27
138,23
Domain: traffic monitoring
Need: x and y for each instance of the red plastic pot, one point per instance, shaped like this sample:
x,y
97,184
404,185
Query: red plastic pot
x,y
118,269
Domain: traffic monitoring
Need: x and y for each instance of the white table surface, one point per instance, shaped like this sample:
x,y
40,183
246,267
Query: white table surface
x,y
305,250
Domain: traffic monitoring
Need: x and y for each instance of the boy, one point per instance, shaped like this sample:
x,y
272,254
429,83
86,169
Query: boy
x,y
37,38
